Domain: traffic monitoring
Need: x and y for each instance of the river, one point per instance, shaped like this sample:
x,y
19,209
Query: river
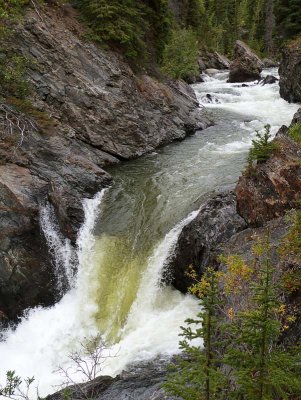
x,y
129,231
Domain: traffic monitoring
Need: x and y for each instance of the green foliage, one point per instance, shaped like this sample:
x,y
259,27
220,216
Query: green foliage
x,y
291,243
295,132
263,147
260,368
127,23
197,375
12,66
288,17
180,54
243,358
13,74
12,389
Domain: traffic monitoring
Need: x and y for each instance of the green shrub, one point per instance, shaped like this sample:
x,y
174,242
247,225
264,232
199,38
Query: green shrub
x,y
291,243
295,132
180,54
129,24
12,65
263,147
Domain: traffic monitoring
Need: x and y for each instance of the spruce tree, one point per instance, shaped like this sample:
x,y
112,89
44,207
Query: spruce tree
x,y
197,374
260,368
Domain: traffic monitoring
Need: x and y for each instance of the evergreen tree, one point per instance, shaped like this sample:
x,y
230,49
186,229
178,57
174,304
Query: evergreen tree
x,y
197,375
260,368
288,16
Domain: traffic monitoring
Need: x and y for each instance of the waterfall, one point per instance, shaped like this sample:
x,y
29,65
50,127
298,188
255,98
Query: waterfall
x,y
60,249
45,336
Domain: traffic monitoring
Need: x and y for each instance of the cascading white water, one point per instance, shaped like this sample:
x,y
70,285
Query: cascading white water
x,y
152,327
44,337
132,240
59,247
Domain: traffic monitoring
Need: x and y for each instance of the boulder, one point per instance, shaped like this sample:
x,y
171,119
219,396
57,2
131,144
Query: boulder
x,y
273,187
246,66
268,63
290,72
210,98
198,242
211,71
215,60
268,80
142,381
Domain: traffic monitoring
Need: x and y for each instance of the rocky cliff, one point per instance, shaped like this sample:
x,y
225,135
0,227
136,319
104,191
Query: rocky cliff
x,y
231,224
290,72
273,187
88,110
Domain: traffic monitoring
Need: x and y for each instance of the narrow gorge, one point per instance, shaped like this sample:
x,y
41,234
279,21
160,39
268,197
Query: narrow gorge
x,y
117,183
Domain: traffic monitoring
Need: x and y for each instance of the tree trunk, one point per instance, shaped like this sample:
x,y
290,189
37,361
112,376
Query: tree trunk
x,y
269,27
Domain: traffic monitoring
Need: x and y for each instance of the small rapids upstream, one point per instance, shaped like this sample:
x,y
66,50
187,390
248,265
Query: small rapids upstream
x,y
129,232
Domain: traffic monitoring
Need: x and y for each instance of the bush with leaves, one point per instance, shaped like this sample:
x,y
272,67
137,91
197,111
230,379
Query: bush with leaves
x,y
181,54
13,390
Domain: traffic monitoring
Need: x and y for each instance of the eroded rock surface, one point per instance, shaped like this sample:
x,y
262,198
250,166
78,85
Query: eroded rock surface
x,y
246,66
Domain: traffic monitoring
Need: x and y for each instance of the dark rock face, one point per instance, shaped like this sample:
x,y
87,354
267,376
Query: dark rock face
x,y
246,66
141,382
290,72
268,80
93,112
198,242
274,186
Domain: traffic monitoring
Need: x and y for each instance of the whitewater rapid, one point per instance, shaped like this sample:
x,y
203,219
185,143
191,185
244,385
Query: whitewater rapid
x,y
129,231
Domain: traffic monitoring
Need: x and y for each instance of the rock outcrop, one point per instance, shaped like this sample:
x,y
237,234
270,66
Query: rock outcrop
x,y
268,80
273,187
290,72
246,66
215,60
141,382
88,110
268,63
198,242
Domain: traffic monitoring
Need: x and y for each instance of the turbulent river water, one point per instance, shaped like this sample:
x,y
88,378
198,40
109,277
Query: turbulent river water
x,y
129,231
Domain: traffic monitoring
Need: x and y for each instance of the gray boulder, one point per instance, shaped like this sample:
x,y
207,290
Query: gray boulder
x,y
246,66
198,242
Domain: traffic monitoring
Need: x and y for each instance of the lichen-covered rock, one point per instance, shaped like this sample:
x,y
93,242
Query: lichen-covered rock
x,y
273,187
290,72
215,223
246,66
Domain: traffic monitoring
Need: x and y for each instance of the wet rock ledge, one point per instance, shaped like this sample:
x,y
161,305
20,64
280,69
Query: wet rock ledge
x,y
89,111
